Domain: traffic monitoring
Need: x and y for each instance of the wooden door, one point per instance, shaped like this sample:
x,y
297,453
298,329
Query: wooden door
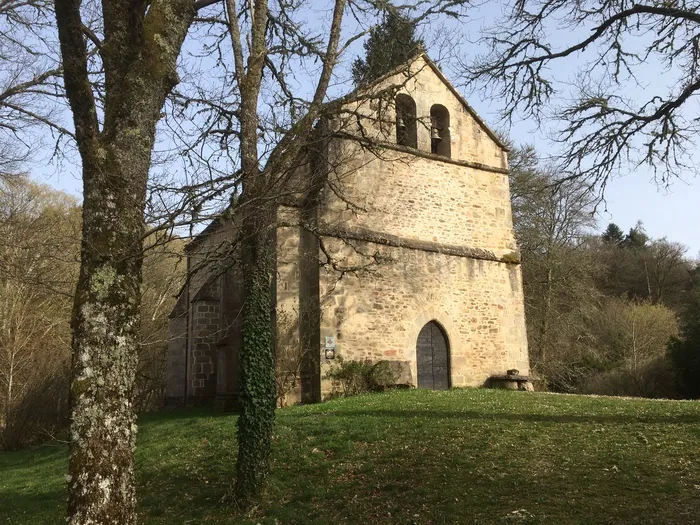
x,y
433,358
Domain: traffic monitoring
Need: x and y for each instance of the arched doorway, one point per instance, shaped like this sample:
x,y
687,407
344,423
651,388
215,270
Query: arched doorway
x,y
433,358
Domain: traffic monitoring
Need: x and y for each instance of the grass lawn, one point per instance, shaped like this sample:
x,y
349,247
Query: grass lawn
x,y
463,456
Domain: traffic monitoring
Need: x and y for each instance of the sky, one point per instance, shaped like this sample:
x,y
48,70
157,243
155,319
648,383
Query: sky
x,y
673,211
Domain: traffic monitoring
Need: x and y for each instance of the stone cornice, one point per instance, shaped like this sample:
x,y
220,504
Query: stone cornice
x,y
359,234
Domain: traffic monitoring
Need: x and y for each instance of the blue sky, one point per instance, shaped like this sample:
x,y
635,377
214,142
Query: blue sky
x,y
673,211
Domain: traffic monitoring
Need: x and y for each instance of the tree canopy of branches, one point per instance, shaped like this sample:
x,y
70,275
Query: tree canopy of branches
x,y
390,44
38,255
551,224
614,119
600,309
642,268
29,80
39,262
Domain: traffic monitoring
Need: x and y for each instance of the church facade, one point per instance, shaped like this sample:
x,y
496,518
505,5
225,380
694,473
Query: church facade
x,y
395,244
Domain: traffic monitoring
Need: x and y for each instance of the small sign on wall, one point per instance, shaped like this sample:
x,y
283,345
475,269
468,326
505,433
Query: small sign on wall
x,y
330,347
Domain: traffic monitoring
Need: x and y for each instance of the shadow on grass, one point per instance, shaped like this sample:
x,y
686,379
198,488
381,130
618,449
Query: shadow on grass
x,y
183,413
45,507
614,419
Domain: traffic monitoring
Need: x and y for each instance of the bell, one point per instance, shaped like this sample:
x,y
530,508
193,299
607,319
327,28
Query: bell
x,y
435,134
400,123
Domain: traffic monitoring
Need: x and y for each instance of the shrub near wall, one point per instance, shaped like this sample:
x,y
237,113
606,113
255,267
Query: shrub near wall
x,y
354,377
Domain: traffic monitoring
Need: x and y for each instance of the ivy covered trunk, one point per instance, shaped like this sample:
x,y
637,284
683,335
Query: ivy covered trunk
x,y
139,53
258,389
257,393
262,189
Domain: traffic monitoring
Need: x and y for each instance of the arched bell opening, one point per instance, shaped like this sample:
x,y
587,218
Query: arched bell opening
x,y
406,122
440,143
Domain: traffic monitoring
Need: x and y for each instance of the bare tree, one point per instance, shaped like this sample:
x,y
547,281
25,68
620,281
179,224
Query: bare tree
x,y
115,114
118,72
30,90
265,124
613,120
38,255
258,395
551,222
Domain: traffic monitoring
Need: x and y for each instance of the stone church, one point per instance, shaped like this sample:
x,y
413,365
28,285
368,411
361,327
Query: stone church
x,y
395,242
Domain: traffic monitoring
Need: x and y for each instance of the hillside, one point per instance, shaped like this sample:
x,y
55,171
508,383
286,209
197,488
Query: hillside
x,y
463,456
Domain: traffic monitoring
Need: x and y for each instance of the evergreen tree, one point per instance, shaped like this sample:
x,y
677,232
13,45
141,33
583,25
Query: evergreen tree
x,y
613,234
390,44
637,237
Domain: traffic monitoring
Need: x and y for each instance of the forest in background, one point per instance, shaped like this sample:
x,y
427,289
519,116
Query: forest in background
x,y
608,312
39,265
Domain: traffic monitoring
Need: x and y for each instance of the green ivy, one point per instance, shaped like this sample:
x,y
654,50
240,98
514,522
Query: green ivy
x,y
257,386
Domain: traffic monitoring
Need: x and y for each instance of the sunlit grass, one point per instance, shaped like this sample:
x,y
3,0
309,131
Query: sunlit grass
x,y
464,456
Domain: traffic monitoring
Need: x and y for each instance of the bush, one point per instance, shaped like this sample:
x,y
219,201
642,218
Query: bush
x,y
37,415
351,378
654,379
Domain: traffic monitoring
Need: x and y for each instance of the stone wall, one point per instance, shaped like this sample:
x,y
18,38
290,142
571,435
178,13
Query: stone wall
x,y
423,199
176,361
211,253
479,303
462,201
413,237
205,335
470,139
231,339
287,281
434,235
296,309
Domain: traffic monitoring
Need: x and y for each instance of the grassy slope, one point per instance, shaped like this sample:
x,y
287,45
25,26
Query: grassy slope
x,y
464,456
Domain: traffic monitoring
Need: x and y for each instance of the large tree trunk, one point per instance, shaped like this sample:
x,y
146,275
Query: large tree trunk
x,y
105,324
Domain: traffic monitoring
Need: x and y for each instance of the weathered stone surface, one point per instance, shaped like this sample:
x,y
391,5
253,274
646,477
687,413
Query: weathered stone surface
x,y
401,372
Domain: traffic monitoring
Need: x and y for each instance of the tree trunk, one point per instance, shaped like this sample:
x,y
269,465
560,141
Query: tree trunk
x,y
258,213
257,381
258,392
544,324
105,324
